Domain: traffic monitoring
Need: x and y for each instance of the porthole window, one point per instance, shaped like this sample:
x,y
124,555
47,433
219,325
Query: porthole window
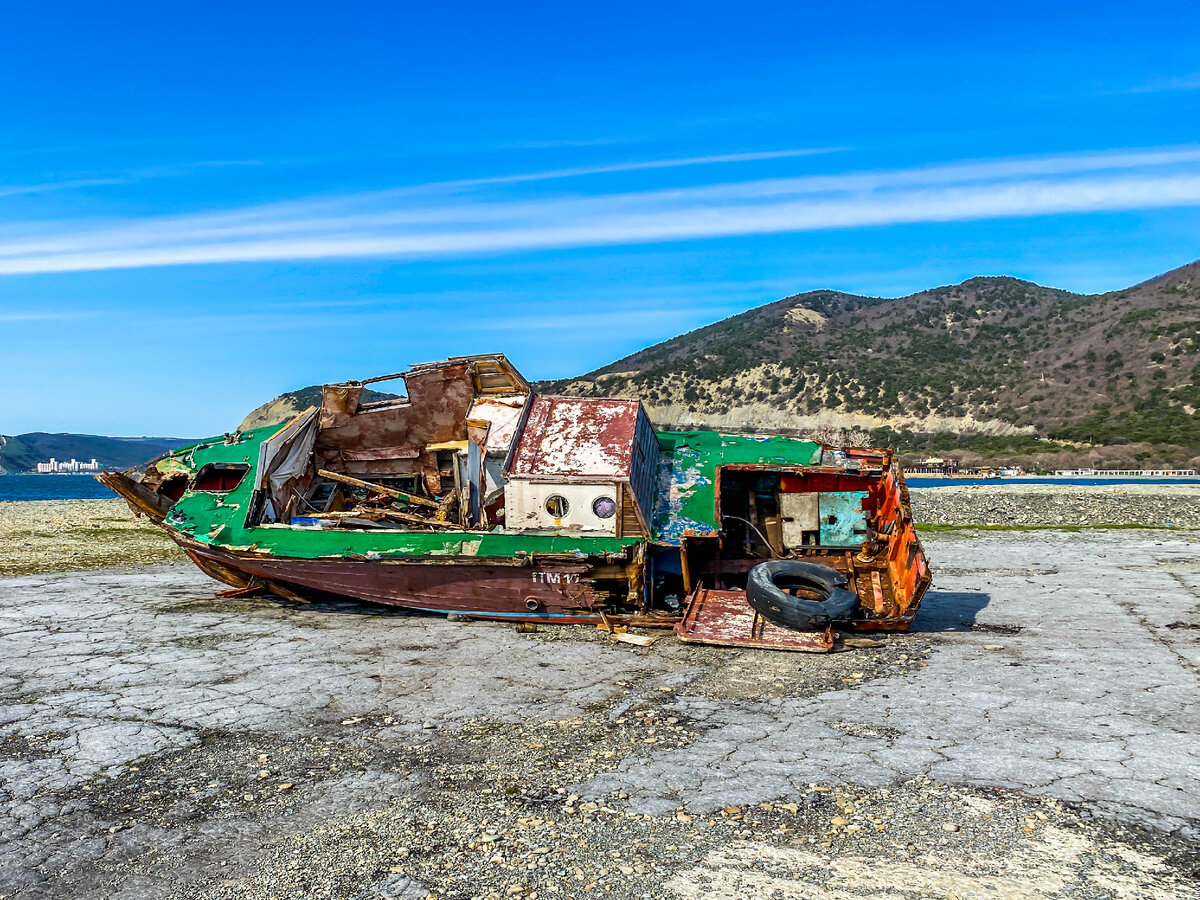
x,y
558,507
604,507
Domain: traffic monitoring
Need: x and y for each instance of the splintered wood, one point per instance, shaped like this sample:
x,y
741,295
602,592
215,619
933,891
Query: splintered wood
x,y
382,489
433,514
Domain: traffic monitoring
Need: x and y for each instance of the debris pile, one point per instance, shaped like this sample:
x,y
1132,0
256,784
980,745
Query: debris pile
x,y
364,504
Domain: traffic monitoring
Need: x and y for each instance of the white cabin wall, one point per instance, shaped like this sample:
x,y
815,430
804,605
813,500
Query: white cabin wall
x,y
525,506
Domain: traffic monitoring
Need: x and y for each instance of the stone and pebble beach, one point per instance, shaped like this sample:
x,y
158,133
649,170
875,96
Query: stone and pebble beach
x,y
39,536
1059,506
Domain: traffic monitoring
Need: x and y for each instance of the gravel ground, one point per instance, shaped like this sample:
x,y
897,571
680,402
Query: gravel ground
x,y
158,743
64,535
1150,505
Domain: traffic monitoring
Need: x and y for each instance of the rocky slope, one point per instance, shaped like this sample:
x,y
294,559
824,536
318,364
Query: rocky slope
x,y
287,405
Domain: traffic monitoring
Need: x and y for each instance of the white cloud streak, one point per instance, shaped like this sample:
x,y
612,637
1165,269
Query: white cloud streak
x,y
1190,82
631,167
12,317
166,171
399,225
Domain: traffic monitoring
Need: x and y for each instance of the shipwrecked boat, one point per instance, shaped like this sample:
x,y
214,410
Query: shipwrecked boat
x,y
472,494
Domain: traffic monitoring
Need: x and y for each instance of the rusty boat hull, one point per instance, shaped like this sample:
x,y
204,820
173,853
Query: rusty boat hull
x,y
544,592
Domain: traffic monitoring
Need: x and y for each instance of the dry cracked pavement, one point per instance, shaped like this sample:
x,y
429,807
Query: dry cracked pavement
x,y
1034,736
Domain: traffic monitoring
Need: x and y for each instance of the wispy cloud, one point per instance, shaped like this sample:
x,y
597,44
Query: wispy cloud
x,y
633,167
558,143
67,184
1189,82
445,222
14,317
658,314
128,177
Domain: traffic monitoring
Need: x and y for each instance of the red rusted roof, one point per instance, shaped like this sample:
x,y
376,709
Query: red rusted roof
x,y
577,437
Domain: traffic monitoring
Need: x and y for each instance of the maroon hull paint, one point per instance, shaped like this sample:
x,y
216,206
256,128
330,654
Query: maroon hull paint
x,y
558,591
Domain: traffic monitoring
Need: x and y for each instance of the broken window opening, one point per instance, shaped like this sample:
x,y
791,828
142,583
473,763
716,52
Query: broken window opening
x,y
173,487
219,478
557,506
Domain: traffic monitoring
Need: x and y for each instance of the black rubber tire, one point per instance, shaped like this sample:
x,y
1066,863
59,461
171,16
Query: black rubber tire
x,y
778,607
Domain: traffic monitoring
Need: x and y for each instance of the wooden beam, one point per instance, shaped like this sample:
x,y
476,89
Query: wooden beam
x,y
377,515
417,520
370,485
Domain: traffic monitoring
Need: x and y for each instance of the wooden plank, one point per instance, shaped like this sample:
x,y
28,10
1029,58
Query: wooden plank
x,y
378,515
639,640
620,514
286,593
370,485
417,520
349,514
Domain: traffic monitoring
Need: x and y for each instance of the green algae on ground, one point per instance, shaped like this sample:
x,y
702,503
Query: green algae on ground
x,y
43,536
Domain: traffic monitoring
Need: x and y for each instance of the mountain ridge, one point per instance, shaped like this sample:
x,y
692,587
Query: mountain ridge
x,y
991,356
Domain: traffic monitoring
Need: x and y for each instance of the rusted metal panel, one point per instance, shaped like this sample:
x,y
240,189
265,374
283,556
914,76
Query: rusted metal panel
x,y
568,437
726,619
571,440
435,411
503,415
843,520
543,591
339,403
800,513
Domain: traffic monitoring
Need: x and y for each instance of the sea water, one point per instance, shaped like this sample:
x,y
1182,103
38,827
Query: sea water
x,y
52,487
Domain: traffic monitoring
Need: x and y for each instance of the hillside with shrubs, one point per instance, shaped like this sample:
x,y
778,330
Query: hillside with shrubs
x,y
992,368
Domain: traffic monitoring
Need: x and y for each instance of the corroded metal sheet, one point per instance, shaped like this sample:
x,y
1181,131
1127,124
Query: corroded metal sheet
x,y
679,477
541,592
725,618
843,522
577,437
503,415
435,412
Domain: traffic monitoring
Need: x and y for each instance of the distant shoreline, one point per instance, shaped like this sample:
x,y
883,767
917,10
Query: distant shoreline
x,y
935,481
39,474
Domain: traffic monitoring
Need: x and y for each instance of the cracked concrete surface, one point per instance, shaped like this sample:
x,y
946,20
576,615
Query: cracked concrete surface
x,y
1061,666
1092,701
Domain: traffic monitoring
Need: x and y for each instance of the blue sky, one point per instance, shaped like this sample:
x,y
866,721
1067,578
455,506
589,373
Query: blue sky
x,y
202,207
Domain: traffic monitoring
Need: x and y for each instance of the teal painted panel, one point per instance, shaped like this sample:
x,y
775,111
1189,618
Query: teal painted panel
x,y
843,520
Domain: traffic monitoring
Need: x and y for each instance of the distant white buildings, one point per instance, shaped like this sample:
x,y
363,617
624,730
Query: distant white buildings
x,y
1127,473
71,467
